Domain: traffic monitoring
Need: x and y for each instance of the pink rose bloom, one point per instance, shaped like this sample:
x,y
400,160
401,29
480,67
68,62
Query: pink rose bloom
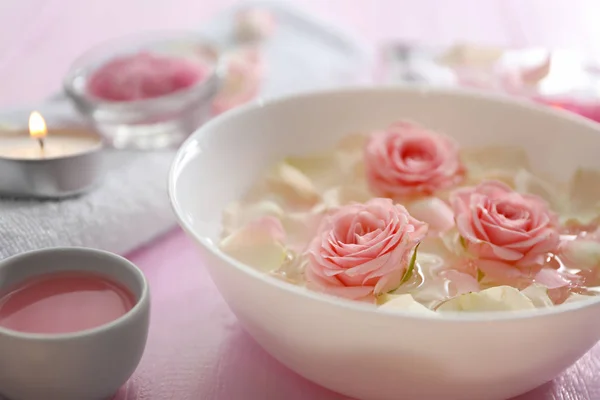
x,y
500,226
363,250
407,159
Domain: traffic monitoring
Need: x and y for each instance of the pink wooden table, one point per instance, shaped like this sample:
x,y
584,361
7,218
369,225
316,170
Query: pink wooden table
x,y
196,349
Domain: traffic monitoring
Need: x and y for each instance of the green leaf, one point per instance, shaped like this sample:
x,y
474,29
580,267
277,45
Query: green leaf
x,y
411,265
480,275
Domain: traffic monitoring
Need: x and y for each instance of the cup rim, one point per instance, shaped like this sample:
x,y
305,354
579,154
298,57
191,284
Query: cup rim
x,y
140,303
202,87
183,154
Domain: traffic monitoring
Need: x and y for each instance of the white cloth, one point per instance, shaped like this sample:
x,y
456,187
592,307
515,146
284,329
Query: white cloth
x,y
131,206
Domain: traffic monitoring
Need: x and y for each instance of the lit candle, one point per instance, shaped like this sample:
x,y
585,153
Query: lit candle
x,y
38,130
48,164
39,144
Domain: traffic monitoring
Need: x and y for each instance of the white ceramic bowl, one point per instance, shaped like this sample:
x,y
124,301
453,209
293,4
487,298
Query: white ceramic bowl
x,y
348,347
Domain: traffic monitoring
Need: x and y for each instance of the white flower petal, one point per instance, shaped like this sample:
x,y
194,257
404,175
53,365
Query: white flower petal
x,y
257,244
239,214
584,201
353,143
294,186
301,227
581,253
342,195
499,298
434,211
403,302
322,169
494,162
341,166
527,183
575,297
538,294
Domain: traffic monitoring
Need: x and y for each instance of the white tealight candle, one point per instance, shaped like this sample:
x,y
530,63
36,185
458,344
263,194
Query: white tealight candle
x,y
38,163
62,143
38,144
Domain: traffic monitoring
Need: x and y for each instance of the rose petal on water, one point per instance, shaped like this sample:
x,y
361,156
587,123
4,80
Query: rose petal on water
x,y
583,192
499,298
293,185
527,183
342,166
342,195
498,162
575,297
301,227
353,142
257,244
322,169
551,278
293,268
239,214
403,302
453,243
500,273
433,211
460,282
581,253
538,294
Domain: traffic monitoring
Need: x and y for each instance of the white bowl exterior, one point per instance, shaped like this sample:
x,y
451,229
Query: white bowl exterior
x,y
374,355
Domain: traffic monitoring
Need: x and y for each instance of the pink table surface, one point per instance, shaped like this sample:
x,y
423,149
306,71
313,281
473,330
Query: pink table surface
x,y
196,348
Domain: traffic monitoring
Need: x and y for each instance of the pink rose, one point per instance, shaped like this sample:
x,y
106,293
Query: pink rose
x,y
409,160
363,250
504,228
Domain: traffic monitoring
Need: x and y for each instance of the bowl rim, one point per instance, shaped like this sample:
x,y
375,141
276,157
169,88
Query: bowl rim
x,y
181,158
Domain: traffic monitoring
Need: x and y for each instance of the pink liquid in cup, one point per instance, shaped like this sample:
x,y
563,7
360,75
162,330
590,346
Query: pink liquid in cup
x,y
63,302
144,76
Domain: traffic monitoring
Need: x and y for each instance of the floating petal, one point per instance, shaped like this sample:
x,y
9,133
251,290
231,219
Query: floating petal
x,y
434,211
258,244
499,298
295,187
402,302
538,294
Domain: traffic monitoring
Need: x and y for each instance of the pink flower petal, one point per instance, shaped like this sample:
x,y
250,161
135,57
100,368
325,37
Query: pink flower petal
x,y
461,282
551,278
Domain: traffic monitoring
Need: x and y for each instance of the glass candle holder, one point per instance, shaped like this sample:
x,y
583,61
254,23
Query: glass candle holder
x,y
148,121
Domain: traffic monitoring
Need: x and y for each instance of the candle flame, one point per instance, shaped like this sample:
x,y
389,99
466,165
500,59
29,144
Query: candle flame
x,y
37,126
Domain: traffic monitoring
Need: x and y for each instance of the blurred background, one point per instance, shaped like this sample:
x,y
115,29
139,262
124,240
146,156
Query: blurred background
x,y
40,38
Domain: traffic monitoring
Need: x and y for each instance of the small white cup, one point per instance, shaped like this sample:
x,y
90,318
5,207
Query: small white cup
x,y
87,365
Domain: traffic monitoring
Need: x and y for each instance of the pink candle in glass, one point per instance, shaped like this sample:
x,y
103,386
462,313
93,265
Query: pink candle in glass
x,y
144,76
